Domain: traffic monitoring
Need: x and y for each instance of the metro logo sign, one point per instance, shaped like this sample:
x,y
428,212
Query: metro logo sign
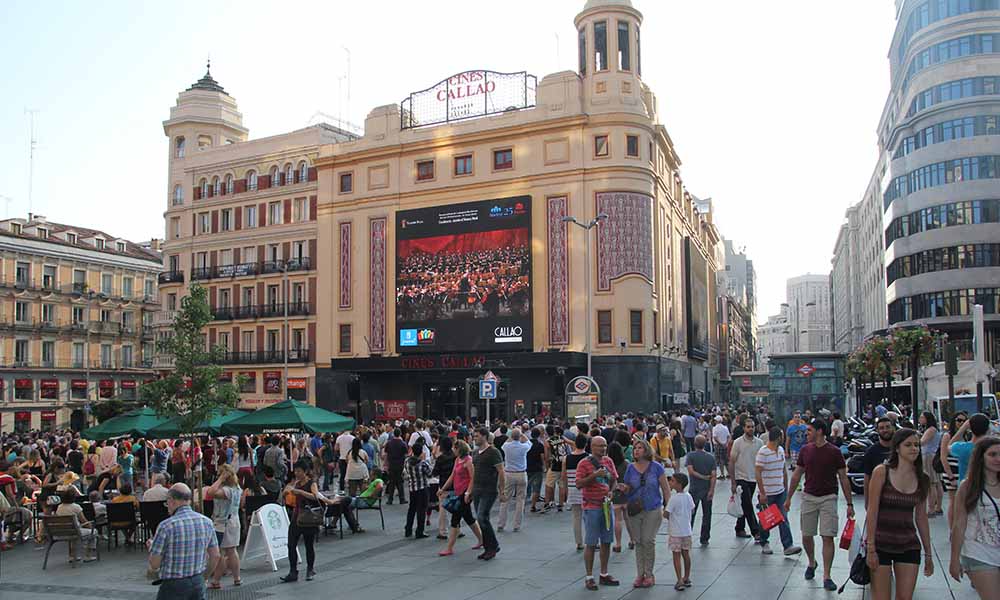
x,y
806,370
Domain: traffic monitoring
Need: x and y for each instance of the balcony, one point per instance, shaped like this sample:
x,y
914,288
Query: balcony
x,y
201,273
164,318
301,355
262,311
240,270
170,277
77,363
303,263
271,266
105,327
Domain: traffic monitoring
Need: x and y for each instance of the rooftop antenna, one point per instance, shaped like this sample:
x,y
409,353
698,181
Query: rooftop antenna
x,y
348,109
31,157
6,201
558,59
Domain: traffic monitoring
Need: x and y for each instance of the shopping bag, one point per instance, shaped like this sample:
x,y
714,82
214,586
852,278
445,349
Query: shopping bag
x,y
770,517
847,535
734,508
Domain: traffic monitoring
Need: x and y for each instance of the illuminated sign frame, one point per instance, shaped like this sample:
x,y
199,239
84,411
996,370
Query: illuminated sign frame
x,y
468,95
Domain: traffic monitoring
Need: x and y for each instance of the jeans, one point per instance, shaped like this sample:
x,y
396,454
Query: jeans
x,y
418,510
484,504
689,443
700,497
746,501
309,536
645,525
343,473
783,529
395,482
515,487
189,588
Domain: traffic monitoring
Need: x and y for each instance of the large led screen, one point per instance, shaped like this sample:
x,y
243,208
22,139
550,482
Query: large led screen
x,y
697,301
463,277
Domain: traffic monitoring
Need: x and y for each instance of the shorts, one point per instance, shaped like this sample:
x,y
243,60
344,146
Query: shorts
x,y
676,544
534,483
551,477
819,515
909,557
971,565
722,454
595,529
229,537
793,457
928,462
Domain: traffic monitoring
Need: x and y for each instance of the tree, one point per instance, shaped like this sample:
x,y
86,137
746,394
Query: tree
x,y
913,346
192,391
111,408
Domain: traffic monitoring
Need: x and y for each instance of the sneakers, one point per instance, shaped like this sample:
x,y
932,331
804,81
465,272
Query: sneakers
x,y
310,574
792,550
765,548
829,585
810,572
608,580
500,529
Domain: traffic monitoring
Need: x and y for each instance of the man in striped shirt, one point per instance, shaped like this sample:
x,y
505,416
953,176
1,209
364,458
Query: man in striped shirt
x,y
772,483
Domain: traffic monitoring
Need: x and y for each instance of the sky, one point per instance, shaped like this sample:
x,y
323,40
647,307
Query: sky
x,y
772,106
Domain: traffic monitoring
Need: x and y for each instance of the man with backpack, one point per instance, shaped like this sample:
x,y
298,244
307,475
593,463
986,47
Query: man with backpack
x,y
274,457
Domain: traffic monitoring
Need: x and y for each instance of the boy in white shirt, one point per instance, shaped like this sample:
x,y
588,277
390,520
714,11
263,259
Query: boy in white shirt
x,y
678,512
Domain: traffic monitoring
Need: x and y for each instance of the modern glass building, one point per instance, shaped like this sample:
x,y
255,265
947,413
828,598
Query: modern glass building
x,y
941,131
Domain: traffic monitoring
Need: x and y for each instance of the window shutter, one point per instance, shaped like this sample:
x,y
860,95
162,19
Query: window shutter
x,y
194,226
211,334
260,257
222,188
262,215
312,253
311,174
260,337
281,178
236,300
212,256
238,211
311,333
211,191
312,295
288,211
240,187
215,221
312,208
236,339
197,192
286,248
212,298
295,175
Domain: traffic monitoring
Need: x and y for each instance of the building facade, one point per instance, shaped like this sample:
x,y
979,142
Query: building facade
x,y
241,221
808,298
76,309
940,132
774,336
741,286
445,230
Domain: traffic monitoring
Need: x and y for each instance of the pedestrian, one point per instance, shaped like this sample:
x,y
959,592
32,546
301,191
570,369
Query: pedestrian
x,y
535,468
444,463
395,451
488,483
679,513
975,530
795,437
225,494
720,446
184,548
574,497
663,448
742,464
877,453
689,428
823,465
303,495
616,451
772,485
949,462
357,468
345,441
515,452
930,444
701,474
418,470
979,425
460,481
897,498
645,481
555,450
595,477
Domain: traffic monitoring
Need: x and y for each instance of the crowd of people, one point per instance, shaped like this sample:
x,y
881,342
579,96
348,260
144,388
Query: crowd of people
x,y
619,477
484,283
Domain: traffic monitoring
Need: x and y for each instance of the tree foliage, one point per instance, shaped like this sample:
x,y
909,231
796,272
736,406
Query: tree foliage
x,y
192,391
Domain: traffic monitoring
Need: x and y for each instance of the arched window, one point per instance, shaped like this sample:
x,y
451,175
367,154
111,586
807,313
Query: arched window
x,y
215,186
289,174
179,148
229,184
303,171
275,176
204,188
252,180
178,194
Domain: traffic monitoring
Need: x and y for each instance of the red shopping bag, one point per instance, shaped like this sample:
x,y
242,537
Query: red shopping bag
x,y
770,517
847,535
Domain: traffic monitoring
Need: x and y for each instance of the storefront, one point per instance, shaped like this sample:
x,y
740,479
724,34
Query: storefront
x,y
50,389
298,388
78,389
24,389
48,420
443,386
128,390
106,388
22,421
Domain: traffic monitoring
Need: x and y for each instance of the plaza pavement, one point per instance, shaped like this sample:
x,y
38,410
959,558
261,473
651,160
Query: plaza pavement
x,y
538,562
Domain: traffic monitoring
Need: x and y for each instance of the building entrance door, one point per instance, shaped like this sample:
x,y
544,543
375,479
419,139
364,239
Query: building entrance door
x,y
444,400
477,407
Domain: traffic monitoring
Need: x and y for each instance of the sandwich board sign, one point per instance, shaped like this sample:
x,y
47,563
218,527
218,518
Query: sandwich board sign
x,y
268,535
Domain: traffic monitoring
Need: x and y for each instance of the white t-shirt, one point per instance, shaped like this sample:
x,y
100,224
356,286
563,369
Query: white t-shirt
x,y
772,465
837,429
720,434
344,443
428,442
680,507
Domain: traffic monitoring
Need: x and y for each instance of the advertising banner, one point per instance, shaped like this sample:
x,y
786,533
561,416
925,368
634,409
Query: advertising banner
x,y
697,300
391,410
463,277
272,382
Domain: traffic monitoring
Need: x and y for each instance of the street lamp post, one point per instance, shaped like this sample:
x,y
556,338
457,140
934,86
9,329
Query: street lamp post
x,y
590,295
284,335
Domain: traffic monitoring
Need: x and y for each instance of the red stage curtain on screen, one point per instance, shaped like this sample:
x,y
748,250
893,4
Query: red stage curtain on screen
x,y
463,243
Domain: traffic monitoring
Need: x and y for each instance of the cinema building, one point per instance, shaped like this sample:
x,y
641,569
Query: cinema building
x,y
445,253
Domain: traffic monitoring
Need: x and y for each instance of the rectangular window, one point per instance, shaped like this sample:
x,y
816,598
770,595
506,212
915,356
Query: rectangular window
x,y
635,326
425,170
632,146
247,342
272,340
463,165
78,361
22,312
99,243
601,45
204,223
128,285
223,341
345,339
582,43
22,273
106,356
78,315
604,327
248,383
250,214
175,227
48,353
346,183
298,342
148,288
171,301
49,277
48,313
126,356
226,220
21,352
656,329
624,54
248,296
105,315
225,257
301,210
503,159
224,298
274,213
601,145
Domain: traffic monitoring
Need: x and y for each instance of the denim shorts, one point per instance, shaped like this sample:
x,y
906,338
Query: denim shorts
x,y
596,531
971,565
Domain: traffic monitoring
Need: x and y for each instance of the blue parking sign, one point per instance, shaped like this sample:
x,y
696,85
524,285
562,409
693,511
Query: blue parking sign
x,y
487,389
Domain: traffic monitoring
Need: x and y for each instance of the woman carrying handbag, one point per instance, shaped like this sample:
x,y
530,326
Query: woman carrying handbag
x,y
307,517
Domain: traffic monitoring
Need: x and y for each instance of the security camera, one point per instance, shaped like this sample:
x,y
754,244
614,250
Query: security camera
x,y
621,343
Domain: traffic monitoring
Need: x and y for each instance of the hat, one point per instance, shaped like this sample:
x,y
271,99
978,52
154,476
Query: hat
x,y
661,427
718,419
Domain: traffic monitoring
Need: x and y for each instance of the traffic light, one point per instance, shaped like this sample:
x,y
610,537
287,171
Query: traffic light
x,y
950,359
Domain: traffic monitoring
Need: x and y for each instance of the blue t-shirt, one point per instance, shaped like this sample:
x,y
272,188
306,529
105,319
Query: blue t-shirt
x,y
651,495
796,436
880,411
962,451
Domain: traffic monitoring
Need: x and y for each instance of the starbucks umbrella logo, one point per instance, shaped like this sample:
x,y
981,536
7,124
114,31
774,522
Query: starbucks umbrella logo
x,y
273,520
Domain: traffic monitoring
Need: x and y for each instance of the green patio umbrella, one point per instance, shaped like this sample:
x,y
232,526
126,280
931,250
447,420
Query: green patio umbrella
x,y
134,423
212,426
290,416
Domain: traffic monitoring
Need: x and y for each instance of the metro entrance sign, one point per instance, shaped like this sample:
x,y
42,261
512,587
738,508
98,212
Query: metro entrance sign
x,y
806,370
583,398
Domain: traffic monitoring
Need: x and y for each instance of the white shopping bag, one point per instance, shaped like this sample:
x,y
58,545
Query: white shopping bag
x,y
734,508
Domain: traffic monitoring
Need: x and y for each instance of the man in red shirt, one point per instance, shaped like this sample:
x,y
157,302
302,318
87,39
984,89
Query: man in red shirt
x,y
596,477
823,464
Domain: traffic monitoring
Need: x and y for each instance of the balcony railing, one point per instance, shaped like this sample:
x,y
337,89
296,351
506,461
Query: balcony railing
x,y
303,263
301,355
170,277
76,363
262,311
240,270
201,273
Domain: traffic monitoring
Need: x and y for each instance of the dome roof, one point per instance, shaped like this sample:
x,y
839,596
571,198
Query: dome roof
x,y
207,82
602,3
